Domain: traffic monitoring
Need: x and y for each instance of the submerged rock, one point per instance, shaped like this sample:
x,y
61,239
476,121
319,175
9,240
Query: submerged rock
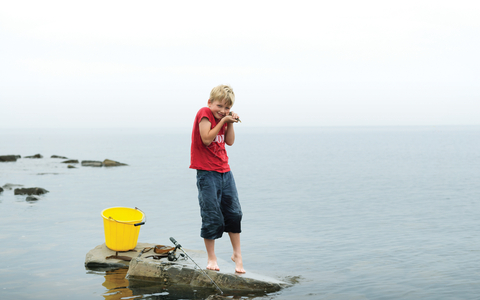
x,y
71,161
7,158
34,156
112,163
32,198
1,190
30,191
92,163
10,186
71,167
58,156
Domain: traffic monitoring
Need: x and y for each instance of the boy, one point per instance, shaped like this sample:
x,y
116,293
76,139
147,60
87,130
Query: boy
x,y
217,193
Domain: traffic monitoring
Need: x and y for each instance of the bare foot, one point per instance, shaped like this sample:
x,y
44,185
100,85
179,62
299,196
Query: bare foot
x,y
212,265
238,264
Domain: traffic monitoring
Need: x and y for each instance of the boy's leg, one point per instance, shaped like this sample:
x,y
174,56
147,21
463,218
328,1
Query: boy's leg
x,y
212,258
237,253
212,219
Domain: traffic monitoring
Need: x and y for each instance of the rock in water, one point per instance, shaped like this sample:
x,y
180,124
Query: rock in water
x,y
6,158
71,161
30,191
1,190
91,163
112,163
34,156
58,156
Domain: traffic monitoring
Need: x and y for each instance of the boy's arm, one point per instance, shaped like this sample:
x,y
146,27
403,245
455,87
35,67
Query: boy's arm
x,y
229,134
208,134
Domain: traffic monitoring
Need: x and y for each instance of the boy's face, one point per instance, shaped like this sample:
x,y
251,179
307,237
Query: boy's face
x,y
219,108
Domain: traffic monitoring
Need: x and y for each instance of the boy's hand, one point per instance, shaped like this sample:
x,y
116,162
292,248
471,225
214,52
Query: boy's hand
x,y
234,116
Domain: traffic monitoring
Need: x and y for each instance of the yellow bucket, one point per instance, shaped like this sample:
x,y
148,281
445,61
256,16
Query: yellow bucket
x,y
122,226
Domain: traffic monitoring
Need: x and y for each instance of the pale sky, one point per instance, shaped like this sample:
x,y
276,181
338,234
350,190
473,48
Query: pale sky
x,y
93,64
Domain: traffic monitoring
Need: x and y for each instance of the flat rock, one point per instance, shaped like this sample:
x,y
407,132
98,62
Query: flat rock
x,y
182,272
91,163
30,191
34,156
112,163
8,158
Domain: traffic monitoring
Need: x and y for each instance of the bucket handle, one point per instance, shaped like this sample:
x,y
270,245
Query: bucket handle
x,y
136,224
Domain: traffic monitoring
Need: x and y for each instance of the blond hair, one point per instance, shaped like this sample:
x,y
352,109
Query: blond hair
x,y
222,92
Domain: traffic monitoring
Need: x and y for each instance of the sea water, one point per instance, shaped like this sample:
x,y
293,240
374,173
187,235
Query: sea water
x,y
340,213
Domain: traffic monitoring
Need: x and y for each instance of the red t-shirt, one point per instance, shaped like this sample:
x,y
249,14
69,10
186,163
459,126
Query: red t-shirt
x,y
211,158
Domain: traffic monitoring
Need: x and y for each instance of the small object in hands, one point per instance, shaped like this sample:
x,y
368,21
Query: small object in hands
x,y
236,118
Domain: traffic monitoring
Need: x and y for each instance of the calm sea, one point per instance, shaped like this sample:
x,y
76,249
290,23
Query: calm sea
x,y
344,213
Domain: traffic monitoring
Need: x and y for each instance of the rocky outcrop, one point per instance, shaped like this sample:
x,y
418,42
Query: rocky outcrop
x,y
58,156
112,163
30,191
34,156
7,158
92,163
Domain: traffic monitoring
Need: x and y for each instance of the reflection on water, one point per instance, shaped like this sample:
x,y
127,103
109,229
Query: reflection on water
x,y
117,285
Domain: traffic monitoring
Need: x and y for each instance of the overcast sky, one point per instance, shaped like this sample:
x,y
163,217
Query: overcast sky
x,y
290,63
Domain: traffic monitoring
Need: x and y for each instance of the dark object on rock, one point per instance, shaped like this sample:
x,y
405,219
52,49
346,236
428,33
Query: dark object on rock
x,y
32,198
71,167
71,161
4,158
58,156
34,156
91,163
9,186
30,191
112,163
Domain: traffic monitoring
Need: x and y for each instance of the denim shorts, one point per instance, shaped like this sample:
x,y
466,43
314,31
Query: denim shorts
x,y
219,205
